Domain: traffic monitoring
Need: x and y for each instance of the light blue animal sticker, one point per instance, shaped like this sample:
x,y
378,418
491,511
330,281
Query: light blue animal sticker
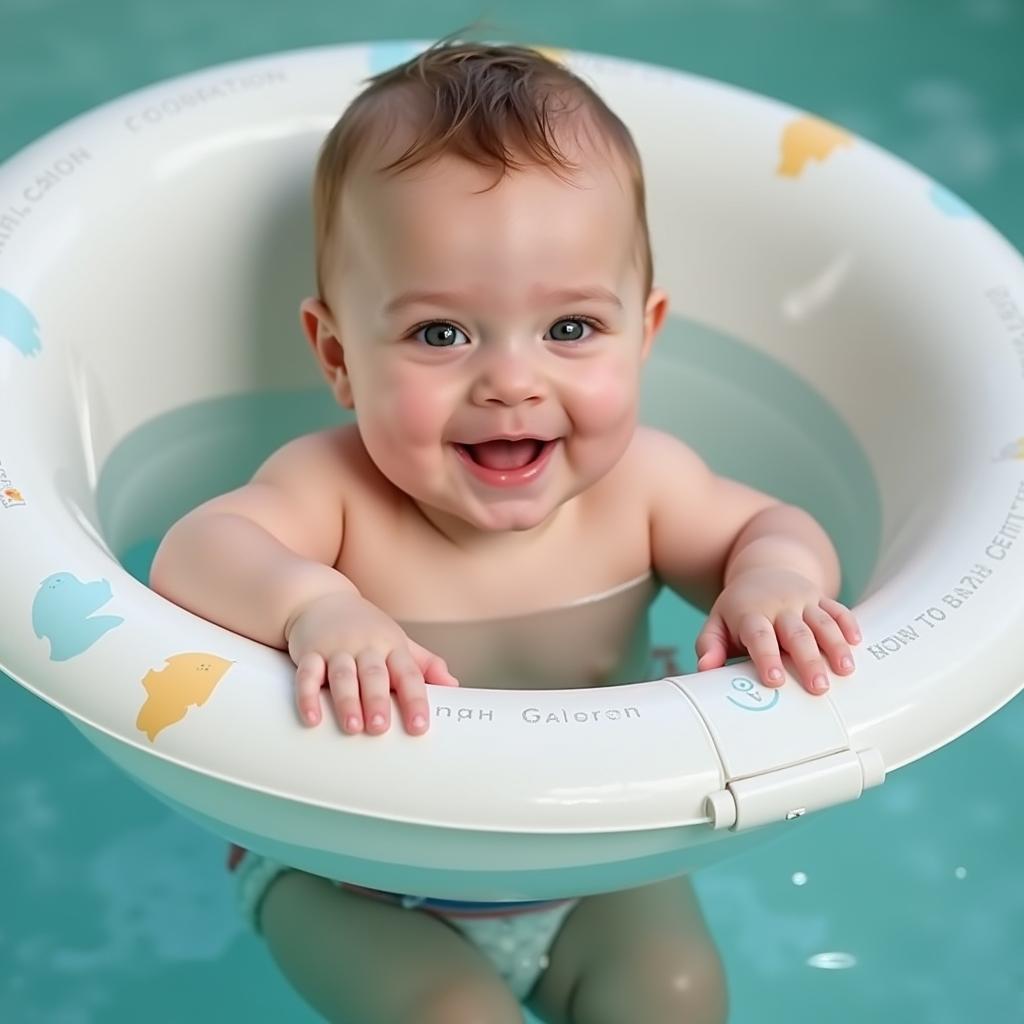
x,y
18,325
390,54
63,613
751,699
949,202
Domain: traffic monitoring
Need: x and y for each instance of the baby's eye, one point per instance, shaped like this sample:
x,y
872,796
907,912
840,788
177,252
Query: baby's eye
x,y
570,328
441,335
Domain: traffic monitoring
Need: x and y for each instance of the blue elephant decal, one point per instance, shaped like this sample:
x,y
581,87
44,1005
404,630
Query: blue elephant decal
x,y
63,613
18,325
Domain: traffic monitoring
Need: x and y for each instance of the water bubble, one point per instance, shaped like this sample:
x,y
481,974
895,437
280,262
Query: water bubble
x,y
832,961
961,873
799,878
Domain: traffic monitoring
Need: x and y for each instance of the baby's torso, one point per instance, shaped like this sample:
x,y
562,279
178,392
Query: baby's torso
x,y
600,640
567,608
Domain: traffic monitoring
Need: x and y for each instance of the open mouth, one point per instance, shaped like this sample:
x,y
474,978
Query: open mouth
x,y
502,455
505,463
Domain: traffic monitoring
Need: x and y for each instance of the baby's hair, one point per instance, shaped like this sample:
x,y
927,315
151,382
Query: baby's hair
x,y
495,106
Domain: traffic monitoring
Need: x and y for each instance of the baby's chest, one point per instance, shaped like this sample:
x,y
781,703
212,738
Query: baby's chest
x,y
562,619
406,569
423,582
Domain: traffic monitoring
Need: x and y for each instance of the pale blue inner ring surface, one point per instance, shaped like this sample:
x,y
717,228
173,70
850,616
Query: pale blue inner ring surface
x,y
747,415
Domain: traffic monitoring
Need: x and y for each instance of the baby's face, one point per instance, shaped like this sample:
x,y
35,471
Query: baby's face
x,y
490,341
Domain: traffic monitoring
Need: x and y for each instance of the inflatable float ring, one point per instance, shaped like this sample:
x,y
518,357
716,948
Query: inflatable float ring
x,y
143,270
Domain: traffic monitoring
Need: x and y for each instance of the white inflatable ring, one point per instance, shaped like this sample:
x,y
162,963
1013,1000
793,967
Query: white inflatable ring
x,y
131,243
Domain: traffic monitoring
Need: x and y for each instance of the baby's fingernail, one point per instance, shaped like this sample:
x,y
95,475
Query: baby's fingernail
x,y
819,684
311,716
418,721
352,723
377,720
847,664
775,675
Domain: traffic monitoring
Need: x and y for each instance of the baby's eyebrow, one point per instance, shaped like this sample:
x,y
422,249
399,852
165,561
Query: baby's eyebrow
x,y
594,293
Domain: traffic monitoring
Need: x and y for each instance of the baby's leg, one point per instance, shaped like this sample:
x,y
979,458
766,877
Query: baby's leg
x,y
362,961
639,955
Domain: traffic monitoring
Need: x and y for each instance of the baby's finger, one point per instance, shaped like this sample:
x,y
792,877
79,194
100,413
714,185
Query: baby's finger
x,y
434,668
846,619
375,689
758,636
830,638
309,678
796,637
411,691
341,677
712,644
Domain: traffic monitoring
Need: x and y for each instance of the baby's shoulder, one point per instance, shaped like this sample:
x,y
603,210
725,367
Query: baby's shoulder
x,y
325,458
654,466
653,454
323,449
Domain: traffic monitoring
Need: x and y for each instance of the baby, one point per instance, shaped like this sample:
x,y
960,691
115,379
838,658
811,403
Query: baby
x,y
485,305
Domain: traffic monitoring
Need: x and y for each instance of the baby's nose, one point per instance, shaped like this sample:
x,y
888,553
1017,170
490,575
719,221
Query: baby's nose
x,y
508,378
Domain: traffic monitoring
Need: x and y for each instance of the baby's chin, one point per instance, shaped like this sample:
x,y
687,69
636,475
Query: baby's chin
x,y
506,520
470,516
521,522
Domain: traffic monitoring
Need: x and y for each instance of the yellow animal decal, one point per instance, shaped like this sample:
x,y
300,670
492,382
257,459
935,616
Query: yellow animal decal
x,y
1014,450
552,54
187,679
809,138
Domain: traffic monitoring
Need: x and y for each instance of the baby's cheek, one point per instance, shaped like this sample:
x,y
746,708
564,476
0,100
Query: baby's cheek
x,y
605,401
402,442
414,411
416,420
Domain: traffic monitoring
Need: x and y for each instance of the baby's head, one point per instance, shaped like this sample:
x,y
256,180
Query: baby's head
x,y
484,276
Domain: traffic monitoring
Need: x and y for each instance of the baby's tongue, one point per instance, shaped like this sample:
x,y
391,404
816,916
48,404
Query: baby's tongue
x,y
505,454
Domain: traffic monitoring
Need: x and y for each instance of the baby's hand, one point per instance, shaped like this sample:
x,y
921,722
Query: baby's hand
x,y
362,654
761,610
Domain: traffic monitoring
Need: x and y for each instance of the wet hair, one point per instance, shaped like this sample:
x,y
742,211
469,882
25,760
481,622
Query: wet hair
x,y
501,107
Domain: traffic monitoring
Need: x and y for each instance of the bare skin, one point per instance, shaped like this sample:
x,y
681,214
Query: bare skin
x,y
460,323
640,955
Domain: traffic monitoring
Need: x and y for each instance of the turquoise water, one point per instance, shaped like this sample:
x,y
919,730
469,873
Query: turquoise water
x,y
114,910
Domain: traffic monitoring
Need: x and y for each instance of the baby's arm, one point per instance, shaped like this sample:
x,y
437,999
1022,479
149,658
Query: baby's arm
x,y
249,558
260,560
766,571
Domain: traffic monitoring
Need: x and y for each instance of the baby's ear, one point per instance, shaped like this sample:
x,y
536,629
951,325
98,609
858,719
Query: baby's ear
x,y
319,327
654,317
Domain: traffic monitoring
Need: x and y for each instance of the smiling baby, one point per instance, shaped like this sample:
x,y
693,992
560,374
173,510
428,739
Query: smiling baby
x,y
485,305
